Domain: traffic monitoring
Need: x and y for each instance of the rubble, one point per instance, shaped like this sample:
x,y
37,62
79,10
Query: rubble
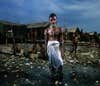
x,y
28,68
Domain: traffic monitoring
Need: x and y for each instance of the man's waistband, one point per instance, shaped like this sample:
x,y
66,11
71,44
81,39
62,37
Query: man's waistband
x,y
53,43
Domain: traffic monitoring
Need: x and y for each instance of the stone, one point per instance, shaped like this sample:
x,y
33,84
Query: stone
x,y
14,84
39,67
28,64
5,76
66,84
97,82
56,82
43,67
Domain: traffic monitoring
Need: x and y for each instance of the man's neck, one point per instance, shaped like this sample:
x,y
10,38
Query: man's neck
x,y
53,26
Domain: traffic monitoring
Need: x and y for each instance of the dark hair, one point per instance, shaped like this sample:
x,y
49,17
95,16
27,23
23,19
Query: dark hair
x,y
52,15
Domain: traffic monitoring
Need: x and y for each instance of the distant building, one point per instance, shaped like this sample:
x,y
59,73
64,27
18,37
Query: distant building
x,y
36,31
71,31
91,36
9,28
22,33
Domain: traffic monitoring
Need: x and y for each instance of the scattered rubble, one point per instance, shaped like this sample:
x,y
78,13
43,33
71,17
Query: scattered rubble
x,y
28,70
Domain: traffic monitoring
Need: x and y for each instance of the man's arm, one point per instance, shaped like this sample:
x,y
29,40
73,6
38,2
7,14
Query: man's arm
x,y
45,38
62,42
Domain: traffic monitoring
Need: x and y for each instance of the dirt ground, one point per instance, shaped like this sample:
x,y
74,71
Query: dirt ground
x,y
83,70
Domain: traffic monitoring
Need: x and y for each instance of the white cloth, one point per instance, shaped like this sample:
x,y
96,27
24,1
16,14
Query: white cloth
x,y
54,54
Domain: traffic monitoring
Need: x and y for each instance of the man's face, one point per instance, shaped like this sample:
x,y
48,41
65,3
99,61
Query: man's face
x,y
53,20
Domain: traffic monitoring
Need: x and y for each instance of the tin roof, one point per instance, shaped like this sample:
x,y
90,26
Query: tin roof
x,y
38,25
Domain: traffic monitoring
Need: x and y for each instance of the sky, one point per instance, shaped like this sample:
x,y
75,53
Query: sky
x,y
84,14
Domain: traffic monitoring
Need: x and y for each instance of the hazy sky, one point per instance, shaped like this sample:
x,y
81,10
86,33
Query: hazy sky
x,y
71,13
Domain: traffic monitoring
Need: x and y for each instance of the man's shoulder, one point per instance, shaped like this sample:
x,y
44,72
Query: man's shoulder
x,y
61,29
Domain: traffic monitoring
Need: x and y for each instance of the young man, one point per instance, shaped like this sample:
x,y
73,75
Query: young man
x,y
75,42
54,37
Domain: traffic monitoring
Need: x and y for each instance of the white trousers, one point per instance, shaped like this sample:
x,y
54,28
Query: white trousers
x,y
54,54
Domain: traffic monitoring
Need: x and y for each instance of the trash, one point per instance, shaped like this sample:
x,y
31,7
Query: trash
x,y
66,84
97,81
5,76
84,64
8,68
28,64
99,60
89,62
34,72
43,67
13,62
17,67
71,61
17,75
5,65
31,63
29,82
31,67
39,67
14,84
91,56
56,82
20,64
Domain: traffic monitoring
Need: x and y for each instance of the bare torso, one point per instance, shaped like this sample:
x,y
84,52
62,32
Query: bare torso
x,y
53,34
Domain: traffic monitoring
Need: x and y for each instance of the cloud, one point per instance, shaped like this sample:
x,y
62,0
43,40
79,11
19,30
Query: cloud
x,y
87,9
71,12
